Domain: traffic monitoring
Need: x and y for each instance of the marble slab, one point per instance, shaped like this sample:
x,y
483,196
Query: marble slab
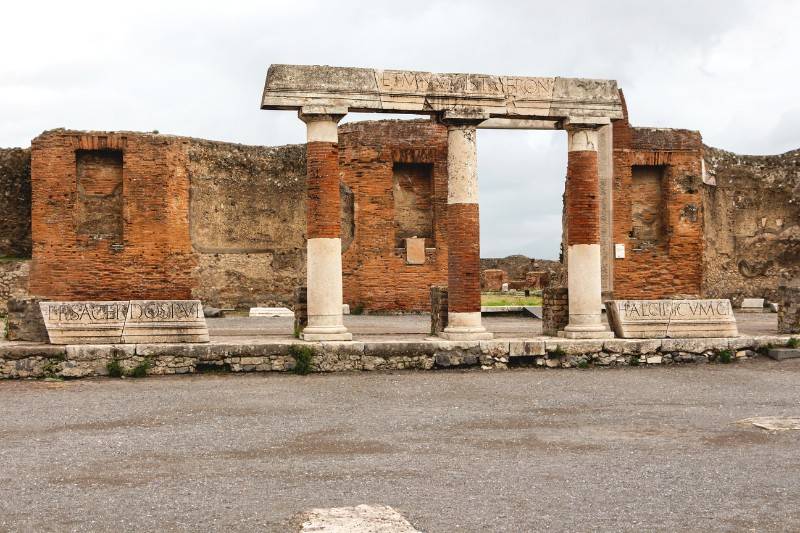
x,y
125,322
659,319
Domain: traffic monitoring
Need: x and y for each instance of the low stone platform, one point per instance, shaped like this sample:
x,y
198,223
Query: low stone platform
x,y
243,354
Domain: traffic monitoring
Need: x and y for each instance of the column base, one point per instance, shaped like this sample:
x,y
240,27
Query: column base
x,y
586,332
465,327
322,333
466,335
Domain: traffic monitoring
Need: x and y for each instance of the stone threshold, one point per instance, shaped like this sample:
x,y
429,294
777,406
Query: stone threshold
x,y
31,360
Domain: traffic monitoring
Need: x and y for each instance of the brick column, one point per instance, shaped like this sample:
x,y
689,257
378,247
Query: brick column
x,y
463,234
584,275
323,227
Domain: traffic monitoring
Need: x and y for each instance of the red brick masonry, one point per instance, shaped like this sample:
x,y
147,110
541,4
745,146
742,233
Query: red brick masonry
x,y
464,261
322,204
583,198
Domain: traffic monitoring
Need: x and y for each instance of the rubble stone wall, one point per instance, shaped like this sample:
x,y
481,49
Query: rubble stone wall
x,y
15,202
14,276
752,223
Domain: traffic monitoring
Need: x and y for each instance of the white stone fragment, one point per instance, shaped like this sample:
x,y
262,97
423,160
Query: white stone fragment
x,y
774,423
270,311
358,519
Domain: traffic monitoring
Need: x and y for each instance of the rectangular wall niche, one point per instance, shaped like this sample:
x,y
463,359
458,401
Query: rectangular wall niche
x,y
98,207
648,228
413,202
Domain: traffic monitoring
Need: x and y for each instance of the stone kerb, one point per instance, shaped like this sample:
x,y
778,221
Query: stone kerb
x,y
125,322
662,319
27,360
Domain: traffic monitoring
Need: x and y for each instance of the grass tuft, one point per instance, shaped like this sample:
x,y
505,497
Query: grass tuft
x,y
302,358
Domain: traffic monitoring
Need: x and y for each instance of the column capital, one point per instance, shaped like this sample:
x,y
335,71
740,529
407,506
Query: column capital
x,y
321,113
462,118
591,123
322,122
583,135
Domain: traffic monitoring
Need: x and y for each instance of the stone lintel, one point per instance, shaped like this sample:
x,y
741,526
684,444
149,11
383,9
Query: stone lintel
x,y
397,91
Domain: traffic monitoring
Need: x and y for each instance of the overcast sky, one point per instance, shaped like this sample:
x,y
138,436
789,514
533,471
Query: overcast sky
x,y
727,68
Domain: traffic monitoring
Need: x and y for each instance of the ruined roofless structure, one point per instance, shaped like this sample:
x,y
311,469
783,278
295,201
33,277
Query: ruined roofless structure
x,y
322,95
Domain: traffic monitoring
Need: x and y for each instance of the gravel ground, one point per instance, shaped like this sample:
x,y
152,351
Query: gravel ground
x,y
634,449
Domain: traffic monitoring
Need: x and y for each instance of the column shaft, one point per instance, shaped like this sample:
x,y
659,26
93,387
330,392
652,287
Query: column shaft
x,y
463,236
584,273
323,227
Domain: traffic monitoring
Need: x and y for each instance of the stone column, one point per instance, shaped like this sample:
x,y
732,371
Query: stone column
x,y
584,273
463,234
323,228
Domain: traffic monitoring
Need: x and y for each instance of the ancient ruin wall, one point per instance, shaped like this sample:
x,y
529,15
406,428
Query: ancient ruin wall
x,y
517,266
140,245
752,223
247,222
657,212
15,202
397,171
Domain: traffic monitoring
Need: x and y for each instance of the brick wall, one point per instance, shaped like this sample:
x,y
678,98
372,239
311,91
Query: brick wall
x,y
152,259
670,266
226,223
375,271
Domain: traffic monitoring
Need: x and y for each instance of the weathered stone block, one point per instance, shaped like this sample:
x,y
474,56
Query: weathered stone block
x,y
125,322
25,322
671,318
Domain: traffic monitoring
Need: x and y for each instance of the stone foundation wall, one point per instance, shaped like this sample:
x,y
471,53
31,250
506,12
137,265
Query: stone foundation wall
x,y
39,361
752,225
15,202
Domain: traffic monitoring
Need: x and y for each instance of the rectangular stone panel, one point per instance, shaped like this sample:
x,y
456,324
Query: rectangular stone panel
x,y
658,319
125,322
84,322
167,321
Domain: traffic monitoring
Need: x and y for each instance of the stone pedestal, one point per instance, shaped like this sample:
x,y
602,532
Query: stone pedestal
x,y
584,275
324,245
463,234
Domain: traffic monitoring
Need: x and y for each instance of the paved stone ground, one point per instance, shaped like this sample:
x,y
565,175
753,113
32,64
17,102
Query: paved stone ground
x,y
418,326
634,449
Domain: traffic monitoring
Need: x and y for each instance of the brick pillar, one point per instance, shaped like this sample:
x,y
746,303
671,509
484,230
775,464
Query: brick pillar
x,y
463,235
323,228
584,275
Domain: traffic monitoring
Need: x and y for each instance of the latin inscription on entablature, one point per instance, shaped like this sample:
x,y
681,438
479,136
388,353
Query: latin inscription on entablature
x,y
403,81
671,318
125,322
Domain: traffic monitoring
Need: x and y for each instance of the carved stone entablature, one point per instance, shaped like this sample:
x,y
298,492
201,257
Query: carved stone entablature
x,y
400,91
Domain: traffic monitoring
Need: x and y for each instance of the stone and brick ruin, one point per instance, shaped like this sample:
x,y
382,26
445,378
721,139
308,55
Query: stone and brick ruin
x,y
374,214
